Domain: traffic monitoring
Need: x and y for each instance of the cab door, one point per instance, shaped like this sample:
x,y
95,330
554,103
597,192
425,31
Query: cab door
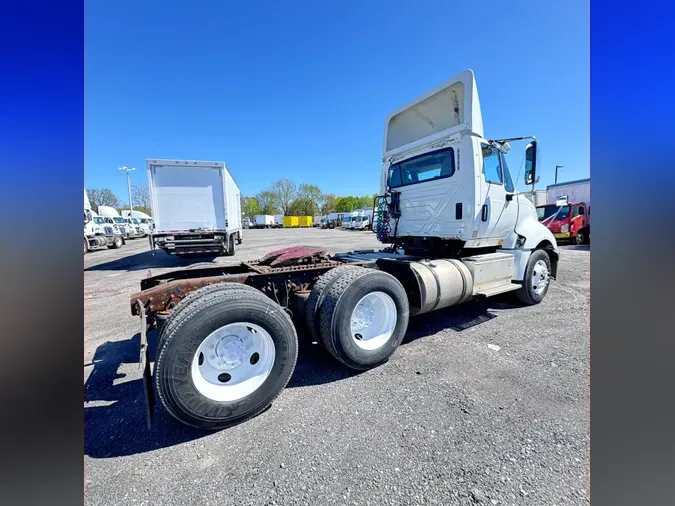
x,y
497,207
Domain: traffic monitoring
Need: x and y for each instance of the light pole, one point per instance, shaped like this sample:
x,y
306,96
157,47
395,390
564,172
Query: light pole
x,y
556,172
131,207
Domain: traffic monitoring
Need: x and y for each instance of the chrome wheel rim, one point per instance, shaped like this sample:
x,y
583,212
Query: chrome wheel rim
x,y
373,321
540,277
233,362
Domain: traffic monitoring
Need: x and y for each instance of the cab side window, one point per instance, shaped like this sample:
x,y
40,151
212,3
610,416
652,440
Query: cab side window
x,y
492,169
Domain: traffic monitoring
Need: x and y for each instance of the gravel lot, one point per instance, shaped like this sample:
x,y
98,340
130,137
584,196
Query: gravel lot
x,y
497,413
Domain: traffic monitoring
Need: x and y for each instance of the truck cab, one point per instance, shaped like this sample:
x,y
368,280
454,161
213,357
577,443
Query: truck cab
x,y
448,188
569,220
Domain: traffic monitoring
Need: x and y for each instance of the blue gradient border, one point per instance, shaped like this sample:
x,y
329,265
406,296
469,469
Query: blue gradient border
x,y
41,163
632,260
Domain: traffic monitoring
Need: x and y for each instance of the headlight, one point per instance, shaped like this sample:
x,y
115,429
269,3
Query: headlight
x,y
565,228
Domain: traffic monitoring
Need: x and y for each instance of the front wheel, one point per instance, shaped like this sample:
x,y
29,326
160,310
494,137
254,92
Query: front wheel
x,y
228,360
86,246
537,278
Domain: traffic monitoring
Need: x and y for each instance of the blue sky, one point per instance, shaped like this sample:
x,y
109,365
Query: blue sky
x,y
301,89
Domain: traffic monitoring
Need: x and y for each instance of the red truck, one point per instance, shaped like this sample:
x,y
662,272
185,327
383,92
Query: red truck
x,y
568,211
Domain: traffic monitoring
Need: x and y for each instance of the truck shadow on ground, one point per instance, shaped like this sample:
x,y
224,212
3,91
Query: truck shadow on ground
x,y
146,260
115,416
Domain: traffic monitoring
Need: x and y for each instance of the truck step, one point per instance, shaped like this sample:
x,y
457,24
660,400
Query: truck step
x,y
496,290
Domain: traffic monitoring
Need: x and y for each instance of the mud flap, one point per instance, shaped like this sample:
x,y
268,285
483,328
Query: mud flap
x,y
144,364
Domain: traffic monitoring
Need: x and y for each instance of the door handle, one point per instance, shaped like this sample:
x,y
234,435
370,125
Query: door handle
x,y
484,213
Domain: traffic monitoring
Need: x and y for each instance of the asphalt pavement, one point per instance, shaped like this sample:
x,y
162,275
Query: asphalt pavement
x,y
483,403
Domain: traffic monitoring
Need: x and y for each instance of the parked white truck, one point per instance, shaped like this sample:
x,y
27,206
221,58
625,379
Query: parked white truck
x,y
278,221
98,233
140,220
364,220
196,207
113,218
456,230
264,221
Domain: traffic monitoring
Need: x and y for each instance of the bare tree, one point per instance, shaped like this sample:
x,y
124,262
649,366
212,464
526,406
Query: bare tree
x,y
285,191
103,197
140,195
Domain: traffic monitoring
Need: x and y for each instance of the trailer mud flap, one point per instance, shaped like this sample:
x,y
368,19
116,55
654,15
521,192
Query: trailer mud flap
x,y
144,365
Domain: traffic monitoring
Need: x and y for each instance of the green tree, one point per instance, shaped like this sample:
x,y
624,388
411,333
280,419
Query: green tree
x,y
250,207
311,192
284,191
365,201
267,202
303,206
329,204
346,204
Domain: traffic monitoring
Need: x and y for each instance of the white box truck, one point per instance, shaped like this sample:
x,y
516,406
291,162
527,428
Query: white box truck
x,y
264,221
196,207
279,220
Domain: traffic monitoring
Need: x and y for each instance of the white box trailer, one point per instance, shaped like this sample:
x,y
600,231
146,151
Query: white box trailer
x,y
196,207
537,197
575,191
278,220
264,221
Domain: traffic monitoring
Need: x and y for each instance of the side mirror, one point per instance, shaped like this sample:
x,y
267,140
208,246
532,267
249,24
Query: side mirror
x,y
531,154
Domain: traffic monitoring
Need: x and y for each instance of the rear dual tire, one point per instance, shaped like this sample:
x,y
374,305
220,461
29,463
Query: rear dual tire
x,y
360,316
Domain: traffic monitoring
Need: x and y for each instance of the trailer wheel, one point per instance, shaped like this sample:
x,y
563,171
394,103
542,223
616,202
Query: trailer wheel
x,y
200,296
363,317
117,242
240,239
230,246
315,299
537,278
226,361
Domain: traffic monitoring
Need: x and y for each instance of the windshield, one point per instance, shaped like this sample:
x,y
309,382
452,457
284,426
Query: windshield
x,y
358,218
143,220
436,165
119,220
545,212
135,221
99,221
347,219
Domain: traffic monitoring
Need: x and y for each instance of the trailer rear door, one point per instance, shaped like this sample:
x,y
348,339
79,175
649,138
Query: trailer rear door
x,y
187,197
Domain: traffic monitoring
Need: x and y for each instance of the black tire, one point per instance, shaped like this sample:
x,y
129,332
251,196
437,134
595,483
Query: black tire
x,y
230,246
315,299
202,264
200,296
580,237
341,297
173,378
86,245
240,239
117,242
527,294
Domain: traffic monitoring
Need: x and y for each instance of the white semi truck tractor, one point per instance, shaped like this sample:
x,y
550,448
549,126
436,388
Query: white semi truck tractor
x,y
97,233
455,229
